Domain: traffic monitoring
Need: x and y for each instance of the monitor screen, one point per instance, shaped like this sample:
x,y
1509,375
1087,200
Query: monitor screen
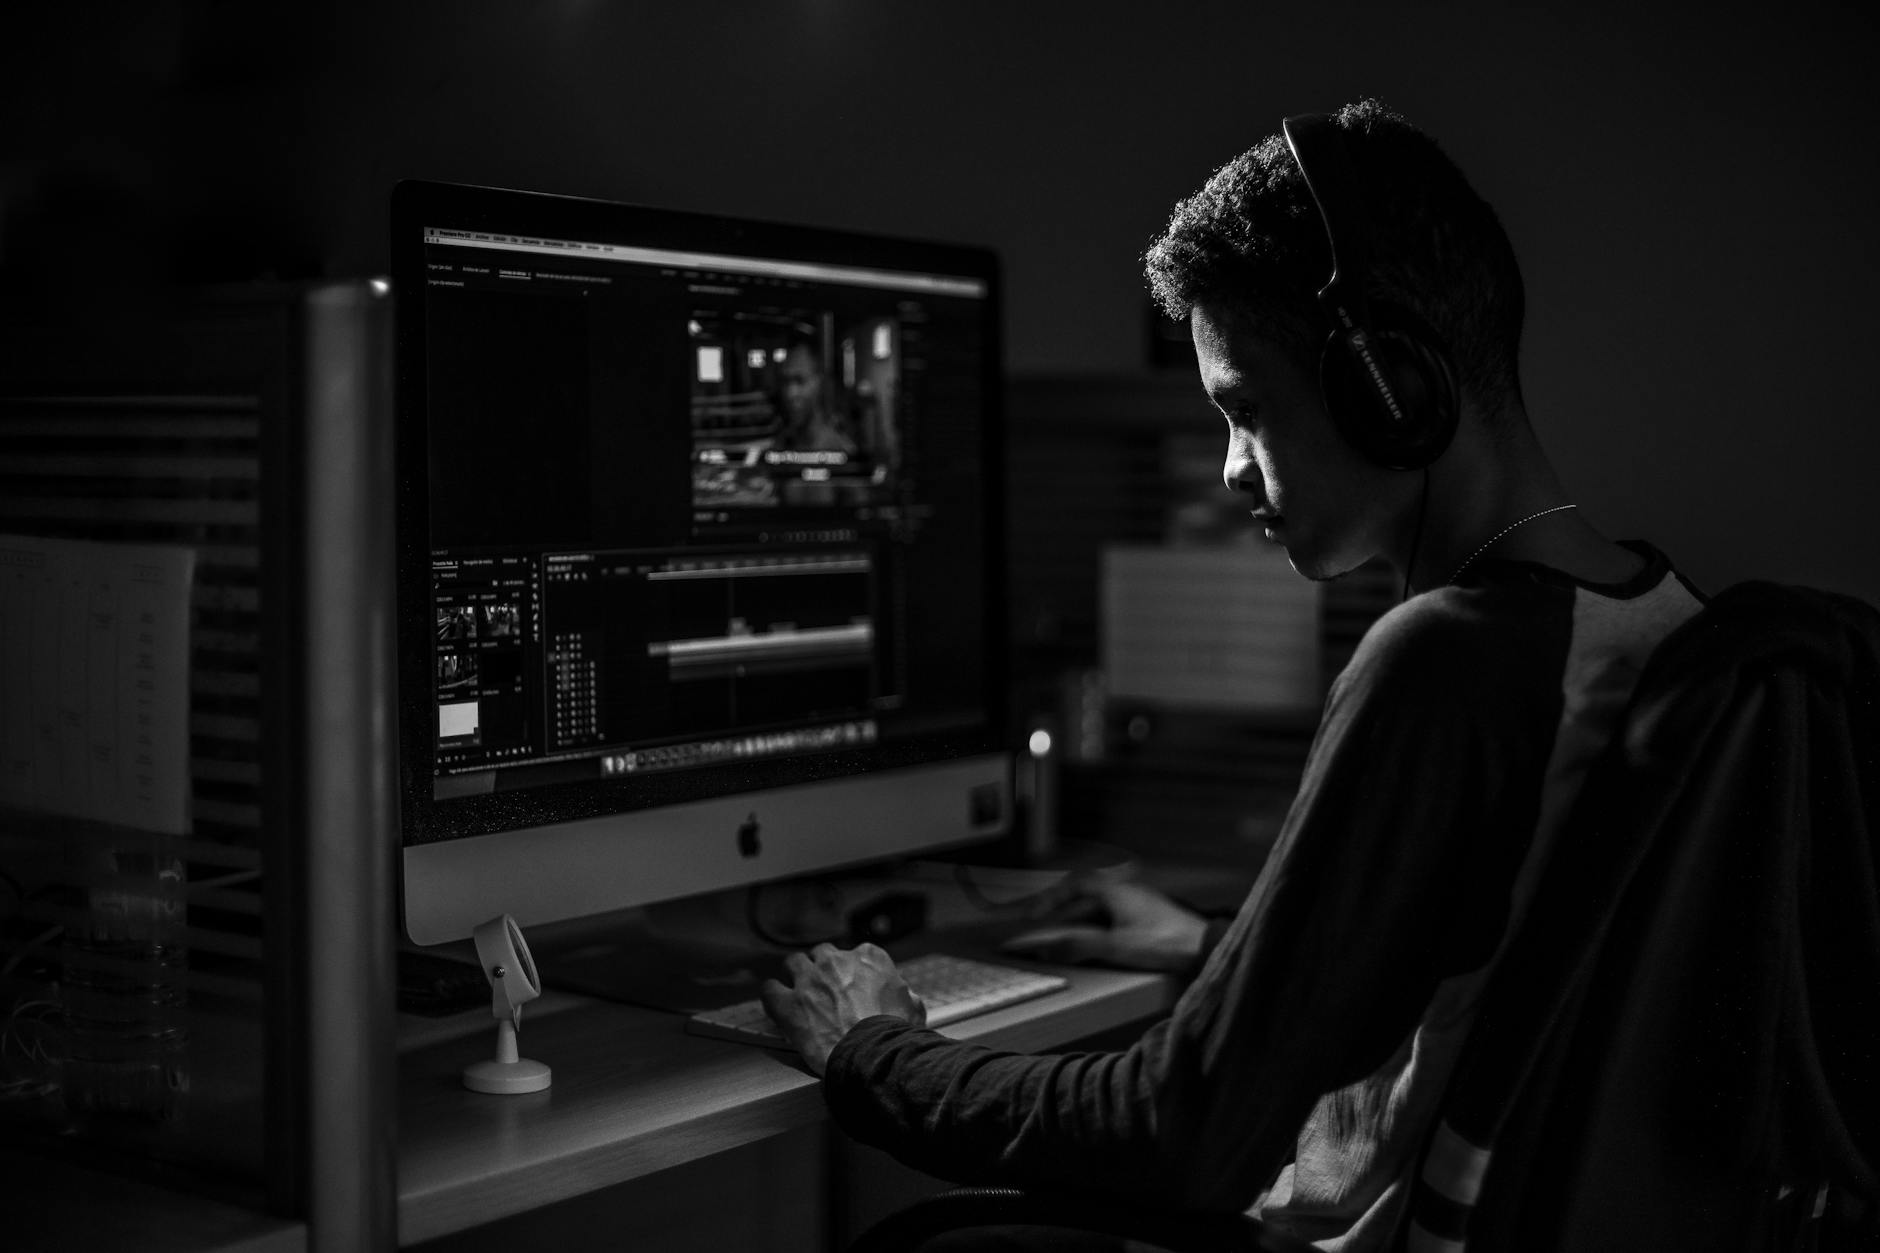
x,y
694,514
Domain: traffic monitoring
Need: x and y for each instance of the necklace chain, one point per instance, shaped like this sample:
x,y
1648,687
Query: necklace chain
x,y
1497,535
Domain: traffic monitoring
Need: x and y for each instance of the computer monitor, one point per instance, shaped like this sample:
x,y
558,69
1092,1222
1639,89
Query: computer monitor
x,y
700,554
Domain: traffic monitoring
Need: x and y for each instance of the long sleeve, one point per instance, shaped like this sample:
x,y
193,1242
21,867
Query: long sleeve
x,y
1392,872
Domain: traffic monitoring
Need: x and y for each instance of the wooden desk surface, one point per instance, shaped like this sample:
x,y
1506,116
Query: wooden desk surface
x,y
633,1094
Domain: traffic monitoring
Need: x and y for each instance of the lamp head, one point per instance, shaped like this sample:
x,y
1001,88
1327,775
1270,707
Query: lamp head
x,y
504,956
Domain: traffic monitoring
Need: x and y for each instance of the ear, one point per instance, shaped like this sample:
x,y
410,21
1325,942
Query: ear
x,y
1416,366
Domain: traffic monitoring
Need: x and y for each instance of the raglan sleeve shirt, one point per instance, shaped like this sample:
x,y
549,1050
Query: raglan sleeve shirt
x,y
1392,871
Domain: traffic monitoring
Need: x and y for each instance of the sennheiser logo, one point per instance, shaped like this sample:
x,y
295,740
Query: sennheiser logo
x,y
1361,344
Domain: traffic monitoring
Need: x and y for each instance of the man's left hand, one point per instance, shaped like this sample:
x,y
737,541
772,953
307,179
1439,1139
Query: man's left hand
x,y
831,990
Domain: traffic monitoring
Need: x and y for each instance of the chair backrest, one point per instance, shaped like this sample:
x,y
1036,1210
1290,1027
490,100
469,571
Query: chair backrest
x,y
1677,1032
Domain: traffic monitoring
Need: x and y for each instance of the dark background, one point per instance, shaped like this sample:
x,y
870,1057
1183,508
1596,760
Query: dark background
x,y
1690,188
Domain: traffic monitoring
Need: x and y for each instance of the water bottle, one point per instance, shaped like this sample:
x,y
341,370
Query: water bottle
x,y
123,990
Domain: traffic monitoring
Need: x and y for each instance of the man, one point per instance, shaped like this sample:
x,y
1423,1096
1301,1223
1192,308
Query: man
x,y
1300,1073
810,423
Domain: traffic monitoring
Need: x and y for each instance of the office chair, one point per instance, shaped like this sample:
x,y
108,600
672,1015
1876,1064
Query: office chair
x,y
1675,1050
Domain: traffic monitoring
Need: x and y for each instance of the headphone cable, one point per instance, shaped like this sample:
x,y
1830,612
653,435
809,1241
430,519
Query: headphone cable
x,y
1416,536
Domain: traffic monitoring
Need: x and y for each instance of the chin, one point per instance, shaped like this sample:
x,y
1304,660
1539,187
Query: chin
x,y
1317,573
1320,566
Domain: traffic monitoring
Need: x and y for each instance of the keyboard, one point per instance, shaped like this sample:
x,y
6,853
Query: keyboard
x,y
952,987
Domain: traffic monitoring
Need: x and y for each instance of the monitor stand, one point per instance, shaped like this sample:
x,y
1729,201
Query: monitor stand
x,y
685,969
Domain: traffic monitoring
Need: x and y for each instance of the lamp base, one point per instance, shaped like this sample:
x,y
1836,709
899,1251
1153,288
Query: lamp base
x,y
505,1078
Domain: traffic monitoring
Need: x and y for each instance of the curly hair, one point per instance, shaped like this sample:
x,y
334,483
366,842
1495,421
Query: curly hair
x,y
1252,239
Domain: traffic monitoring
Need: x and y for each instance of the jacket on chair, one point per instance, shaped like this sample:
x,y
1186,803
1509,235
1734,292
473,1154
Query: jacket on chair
x,y
1678,1046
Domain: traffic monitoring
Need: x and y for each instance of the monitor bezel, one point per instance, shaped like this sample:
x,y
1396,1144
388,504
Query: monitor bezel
x,y
419,204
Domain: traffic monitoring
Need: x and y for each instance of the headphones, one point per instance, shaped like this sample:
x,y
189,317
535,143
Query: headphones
x,y
1384,372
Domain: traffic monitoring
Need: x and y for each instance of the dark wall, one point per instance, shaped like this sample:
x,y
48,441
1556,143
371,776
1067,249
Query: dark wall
x,y
1691,197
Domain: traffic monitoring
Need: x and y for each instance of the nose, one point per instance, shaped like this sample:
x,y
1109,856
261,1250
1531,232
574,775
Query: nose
x,y
1241,471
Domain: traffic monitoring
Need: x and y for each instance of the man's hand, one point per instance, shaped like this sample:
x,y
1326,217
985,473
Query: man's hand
x,y
1119,924
831,990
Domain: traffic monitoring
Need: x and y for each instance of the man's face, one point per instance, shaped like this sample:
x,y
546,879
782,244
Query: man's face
x,y
1327,506
802,383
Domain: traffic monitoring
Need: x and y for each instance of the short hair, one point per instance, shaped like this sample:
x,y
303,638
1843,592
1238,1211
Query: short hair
x,y
1252,239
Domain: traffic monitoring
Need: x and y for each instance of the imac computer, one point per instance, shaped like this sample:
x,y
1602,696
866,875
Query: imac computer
x,y
699,554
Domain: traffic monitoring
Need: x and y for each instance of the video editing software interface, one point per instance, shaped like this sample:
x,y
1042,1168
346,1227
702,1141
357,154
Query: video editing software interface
x,y
693,508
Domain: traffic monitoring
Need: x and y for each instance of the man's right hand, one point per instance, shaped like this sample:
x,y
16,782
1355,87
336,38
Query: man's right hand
x,y
1118,924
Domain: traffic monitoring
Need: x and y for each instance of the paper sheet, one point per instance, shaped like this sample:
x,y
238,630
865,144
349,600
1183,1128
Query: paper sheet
x,y
94,680
1224,628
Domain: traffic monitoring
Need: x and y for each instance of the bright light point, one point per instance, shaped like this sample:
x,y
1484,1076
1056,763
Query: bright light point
x,y
380,286
1040,743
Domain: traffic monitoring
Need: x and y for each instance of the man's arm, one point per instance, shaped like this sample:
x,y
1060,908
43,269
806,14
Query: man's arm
x,y
1392,873
832,989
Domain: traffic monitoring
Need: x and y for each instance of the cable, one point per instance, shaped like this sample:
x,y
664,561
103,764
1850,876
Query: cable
x,y
963,873
35,1059
225,881
13,962
1416,537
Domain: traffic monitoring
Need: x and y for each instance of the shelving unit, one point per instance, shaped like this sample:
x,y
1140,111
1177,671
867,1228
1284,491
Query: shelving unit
x,y
245,424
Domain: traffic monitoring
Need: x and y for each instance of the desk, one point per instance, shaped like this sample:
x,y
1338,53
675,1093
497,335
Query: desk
x,y
634,1094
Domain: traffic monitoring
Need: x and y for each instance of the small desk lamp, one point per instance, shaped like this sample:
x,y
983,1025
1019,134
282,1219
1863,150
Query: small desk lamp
x,y
504,957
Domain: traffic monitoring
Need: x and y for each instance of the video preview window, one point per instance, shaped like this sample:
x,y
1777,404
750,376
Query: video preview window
x,y
456,673
479,670
794,408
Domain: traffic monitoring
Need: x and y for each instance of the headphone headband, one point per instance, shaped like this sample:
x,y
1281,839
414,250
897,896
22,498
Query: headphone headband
x,y
1388,385
1319,152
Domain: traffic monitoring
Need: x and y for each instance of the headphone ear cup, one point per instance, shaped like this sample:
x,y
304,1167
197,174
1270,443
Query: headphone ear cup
x,y
1416,366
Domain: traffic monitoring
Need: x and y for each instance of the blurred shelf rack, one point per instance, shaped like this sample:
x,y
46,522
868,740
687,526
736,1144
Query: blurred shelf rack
x,y
1094,461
